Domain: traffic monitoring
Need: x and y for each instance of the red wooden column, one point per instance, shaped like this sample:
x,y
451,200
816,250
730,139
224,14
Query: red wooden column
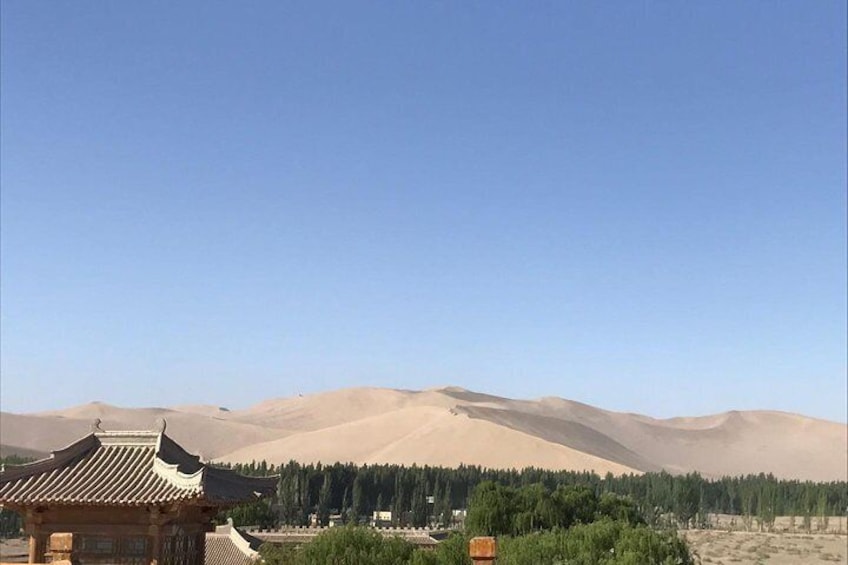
x,y
483,550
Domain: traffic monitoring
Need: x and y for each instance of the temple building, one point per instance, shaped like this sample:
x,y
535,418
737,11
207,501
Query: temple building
x,y
127,498
229,546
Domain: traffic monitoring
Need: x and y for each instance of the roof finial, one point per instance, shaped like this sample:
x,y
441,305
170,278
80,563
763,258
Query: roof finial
x,y
95,426
161,424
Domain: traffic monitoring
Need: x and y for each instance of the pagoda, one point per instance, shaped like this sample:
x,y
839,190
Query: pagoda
x,y
127,498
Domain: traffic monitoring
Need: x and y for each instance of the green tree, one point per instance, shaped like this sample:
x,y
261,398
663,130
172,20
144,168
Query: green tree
x,y
347,506
454,550
822,512
575,504
355,546
490,510
447,507
357,508
399,501
766,506
324,499
686,497
604,542
278,554
620,508
419,502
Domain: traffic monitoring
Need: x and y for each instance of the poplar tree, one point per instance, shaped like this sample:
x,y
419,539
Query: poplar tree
x,y
357,507
324,499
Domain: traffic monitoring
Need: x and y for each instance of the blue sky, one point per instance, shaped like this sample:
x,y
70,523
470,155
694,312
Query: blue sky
x,y
638,205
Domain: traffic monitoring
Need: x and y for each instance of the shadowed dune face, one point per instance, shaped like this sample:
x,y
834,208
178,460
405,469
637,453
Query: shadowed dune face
x,y
471,397
452,426
563,432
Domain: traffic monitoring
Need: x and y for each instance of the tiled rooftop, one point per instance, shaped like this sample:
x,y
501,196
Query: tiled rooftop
x,y
228,546
125,468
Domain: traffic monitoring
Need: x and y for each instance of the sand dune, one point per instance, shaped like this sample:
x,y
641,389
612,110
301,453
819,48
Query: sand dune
x,y
450,426
16,451
207,436
432,435
318,411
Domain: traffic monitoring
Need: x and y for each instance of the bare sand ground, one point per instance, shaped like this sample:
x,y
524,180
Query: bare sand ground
x,y
716,547
783,524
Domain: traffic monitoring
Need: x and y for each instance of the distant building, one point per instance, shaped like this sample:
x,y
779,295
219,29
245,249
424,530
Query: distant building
x,y
336,520
381,518
127,498
458,516
228,546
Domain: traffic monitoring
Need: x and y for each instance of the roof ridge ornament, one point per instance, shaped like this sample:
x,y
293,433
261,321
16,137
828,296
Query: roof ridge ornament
x,y
95,425
160,426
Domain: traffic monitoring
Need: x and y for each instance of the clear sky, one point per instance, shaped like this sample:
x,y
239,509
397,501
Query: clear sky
x,y
640,205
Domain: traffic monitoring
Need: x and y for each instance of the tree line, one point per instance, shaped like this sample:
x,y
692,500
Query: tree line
x,y
426,496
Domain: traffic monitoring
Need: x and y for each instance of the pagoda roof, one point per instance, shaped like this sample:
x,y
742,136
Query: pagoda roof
x,y
126,468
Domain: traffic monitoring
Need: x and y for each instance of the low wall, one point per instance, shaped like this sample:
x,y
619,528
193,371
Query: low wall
x,y
305,534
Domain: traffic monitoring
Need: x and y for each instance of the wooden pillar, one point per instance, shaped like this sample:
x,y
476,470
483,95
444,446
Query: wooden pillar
x,y
33,520
33,546
154,531
483,550
38,548
200,544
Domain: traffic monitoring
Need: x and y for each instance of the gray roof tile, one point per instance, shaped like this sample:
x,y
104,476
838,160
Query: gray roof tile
x,y
126,468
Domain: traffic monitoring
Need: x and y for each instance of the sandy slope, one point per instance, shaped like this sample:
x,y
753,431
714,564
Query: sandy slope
x,y
788,445
452,425
750,442
205,435
431,435
318,411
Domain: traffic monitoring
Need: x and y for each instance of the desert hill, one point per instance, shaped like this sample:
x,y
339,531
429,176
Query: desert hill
x,y
451,426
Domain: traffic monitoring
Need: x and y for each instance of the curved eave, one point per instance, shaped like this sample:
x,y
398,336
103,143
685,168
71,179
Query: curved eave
x,y
126,469
227,487
58,458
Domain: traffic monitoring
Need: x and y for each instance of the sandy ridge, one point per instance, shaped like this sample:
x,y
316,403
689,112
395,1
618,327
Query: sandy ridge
x,y
451,426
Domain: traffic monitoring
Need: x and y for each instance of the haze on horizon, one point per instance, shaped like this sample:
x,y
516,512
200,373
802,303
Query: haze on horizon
x,y
639,206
